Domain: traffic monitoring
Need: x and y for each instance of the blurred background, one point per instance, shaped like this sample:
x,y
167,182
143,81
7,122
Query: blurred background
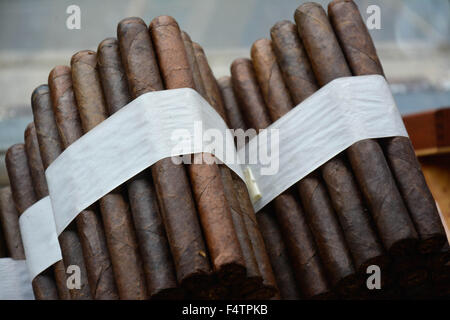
x,y
413,43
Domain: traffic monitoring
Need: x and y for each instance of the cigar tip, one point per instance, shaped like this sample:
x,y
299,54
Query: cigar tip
x,y
13,151
107,43
58,71
39,91
126,23
238,61
260,44
281,25
29,130
86,56
185,36
337,2
163,20
224,82
305,8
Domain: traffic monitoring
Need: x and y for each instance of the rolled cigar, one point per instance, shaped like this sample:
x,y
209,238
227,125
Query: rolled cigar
x,y
9,220
41,190
193,65
253,281
278,254
89,226
116,216
154,248
298,238
213,208
262,257
366,157
50,148
362,59
346,198
44,286
170,180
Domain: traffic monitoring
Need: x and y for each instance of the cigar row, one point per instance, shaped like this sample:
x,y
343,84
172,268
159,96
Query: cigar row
x,y
173,231
369,205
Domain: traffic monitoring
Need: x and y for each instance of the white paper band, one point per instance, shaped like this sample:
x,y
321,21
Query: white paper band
x,y
15,281
343,112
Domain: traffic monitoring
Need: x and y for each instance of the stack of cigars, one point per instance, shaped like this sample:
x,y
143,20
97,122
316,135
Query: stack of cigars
x,y
179,231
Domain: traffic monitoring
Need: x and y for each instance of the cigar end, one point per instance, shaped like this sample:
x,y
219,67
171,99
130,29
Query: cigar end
x,y
29,131
129,22
305,9
239,61
85,56
259,45
224,82
280,25
185,36
57,72
163,20
13,152
108,43
38,92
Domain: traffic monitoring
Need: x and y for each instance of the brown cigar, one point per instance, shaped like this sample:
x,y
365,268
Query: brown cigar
x,y
366,157
44,286
298,238
236,122
9,219
253,281
193,65
89,226
153,245
171,182
50,148
347,201
362,59
41,190
116,216
213,208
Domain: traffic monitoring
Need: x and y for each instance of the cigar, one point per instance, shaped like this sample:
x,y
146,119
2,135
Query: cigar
x,y
298,238
41,191
89,226
50,148
254,280
355,220
116,216
213,209
366,157
3,250
9,220
153,245
362,58
278,254
44,286
193,65
170,180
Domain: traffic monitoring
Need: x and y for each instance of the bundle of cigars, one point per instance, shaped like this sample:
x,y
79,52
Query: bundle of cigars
x,y
189,231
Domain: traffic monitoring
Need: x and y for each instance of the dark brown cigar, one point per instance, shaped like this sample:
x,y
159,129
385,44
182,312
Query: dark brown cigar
x,y
236,122
366,157
116,216
345,196
50,148
193,65
9,220
278,254
362,59
41,190
89,226
171,182
157,260
298,238
44,287
253,281
213,208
